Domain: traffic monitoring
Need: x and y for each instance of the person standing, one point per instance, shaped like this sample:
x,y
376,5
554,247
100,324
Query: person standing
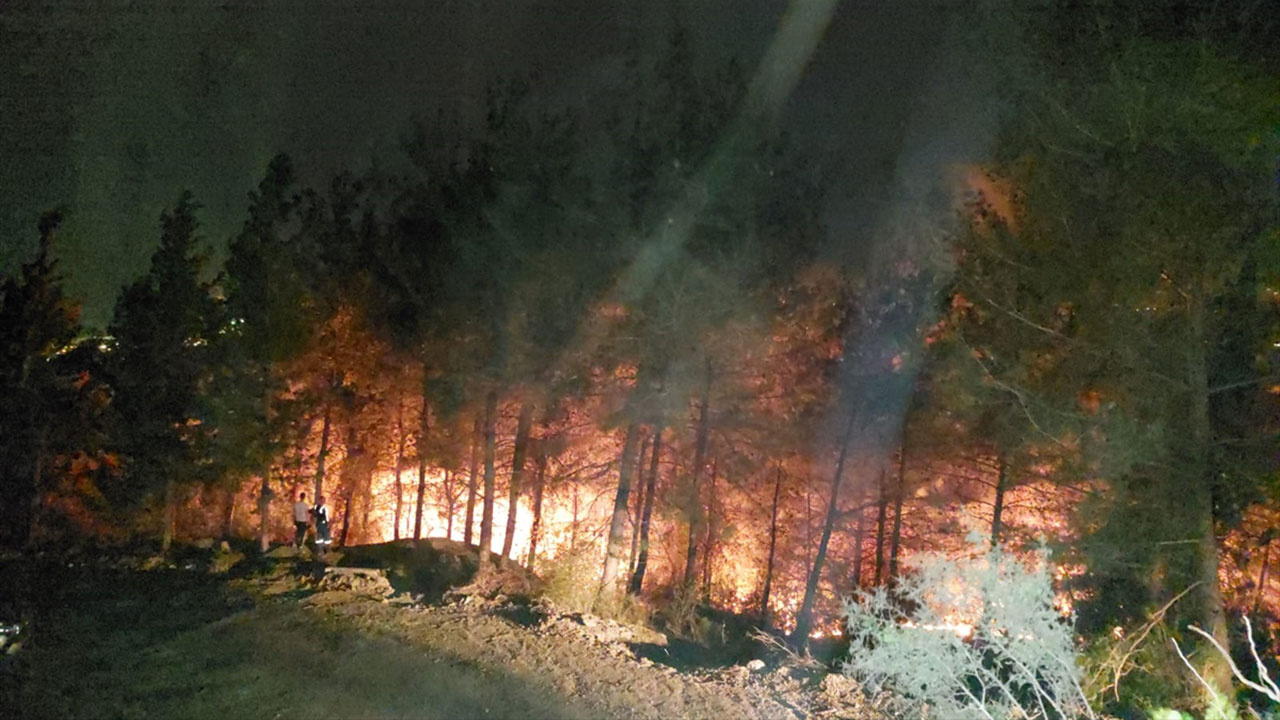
x,y
321,514
301,520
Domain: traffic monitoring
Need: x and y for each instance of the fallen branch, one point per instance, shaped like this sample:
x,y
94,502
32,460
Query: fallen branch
x,y
1264,685
1118,660
773,642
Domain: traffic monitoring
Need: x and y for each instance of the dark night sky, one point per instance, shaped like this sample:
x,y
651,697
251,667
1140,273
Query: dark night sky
x,y
111,108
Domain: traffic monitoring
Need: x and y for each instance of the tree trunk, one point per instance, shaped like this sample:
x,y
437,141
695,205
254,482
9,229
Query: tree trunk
x,y
899,494
424,420
639,508
618,525
264,510
367,468
859,539
804,618
1213,616
523,425
539,484
486,512
573,529
348,498
646,512
228,518
1262,578
808,523
395,534
348,479
322,456
882,507
773,546
997,512
170,514
449,501
709,546
476,429
699,459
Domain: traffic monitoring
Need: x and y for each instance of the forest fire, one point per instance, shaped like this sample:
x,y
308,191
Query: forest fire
x,y
721,343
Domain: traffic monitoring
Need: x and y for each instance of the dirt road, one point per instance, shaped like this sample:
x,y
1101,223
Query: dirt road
x,y
178,644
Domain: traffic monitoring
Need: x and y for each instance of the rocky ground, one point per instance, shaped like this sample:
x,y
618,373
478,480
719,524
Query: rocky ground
x,y
285,637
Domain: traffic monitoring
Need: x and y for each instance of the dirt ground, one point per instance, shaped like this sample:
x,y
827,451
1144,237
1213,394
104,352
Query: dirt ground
x,y
106,640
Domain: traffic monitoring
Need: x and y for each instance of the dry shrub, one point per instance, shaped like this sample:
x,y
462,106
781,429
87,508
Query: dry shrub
x,y
1018,661
572,580
685,620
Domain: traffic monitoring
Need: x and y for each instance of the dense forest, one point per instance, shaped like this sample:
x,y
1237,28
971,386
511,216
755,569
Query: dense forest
x,y
618,332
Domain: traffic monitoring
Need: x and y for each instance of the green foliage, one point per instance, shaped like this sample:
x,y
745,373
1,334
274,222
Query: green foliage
x,y
158,365
1151,677
1111,295
265,321
41,413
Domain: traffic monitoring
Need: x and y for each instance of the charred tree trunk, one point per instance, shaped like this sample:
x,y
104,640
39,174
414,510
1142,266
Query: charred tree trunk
x,y
709,543
639,507
523,425
618,524
424,422
395,534
228,517
859,539
366,497
882,508
347,500
899,494
773,547
997,511
323,455
539,485
486,513
471,481
808,523
804,618
449,500
646,512
699,459
348,480
264,511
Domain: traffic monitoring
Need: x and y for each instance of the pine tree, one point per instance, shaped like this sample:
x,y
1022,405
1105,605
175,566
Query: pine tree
x,y
36,323
161,335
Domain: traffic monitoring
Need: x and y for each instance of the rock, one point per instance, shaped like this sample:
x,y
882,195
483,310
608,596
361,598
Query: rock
x,y
283,552
152,563
204,543
224,546
364,581
838,685
224,561
756,665
567,685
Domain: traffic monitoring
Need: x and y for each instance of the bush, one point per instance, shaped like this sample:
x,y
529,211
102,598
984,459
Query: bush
x,y
684,619
572,583
1015,657
572,580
